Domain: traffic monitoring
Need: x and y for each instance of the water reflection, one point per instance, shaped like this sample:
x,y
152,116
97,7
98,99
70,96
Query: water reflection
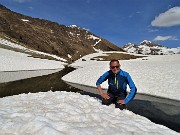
x,y
160,113
44,83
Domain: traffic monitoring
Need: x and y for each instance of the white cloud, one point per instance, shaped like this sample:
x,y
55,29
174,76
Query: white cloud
x,y
168,18
153,30
21,1
31,8
138,12
163,38
133,14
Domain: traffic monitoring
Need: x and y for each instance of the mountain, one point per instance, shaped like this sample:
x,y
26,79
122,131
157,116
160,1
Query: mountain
x,y
150,48
51,37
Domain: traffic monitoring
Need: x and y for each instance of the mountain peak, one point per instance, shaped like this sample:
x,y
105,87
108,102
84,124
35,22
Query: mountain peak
x,y
149,48
145,42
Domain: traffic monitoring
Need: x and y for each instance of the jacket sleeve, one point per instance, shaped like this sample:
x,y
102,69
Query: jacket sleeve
x,y
133,89
102,78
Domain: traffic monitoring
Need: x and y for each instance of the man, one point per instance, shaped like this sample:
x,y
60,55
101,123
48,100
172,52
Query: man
x,y
117,81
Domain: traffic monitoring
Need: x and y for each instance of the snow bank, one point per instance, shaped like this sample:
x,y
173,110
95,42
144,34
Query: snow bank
x,y
13,61
30,67
158,75
27,50
58,113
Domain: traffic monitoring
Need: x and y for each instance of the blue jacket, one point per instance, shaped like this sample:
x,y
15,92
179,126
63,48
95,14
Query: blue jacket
x,y
118,84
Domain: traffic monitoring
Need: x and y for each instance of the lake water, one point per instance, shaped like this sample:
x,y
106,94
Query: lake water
x,y
159,110
43,83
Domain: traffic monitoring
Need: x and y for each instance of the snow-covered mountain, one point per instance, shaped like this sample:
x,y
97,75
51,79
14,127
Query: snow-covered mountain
x,y
150,48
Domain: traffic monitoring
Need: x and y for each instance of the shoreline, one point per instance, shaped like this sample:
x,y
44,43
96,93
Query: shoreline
x,y
159,110
145,96
9,76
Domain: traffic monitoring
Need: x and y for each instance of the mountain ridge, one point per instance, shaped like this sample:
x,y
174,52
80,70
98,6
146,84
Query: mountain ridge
x,y
51,37
150,48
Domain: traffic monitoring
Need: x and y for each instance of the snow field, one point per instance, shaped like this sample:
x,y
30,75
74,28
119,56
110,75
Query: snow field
x,y
60,113
15,61
158,75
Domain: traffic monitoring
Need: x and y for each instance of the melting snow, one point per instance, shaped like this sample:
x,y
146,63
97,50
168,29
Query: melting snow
x,y
17,46
158,75
25,20
92,37
71,113
60,113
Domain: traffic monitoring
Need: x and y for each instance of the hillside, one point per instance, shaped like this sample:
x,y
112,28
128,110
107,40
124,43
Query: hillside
x,y
50,37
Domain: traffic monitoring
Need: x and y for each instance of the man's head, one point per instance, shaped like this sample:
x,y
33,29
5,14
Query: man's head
x,y
114,66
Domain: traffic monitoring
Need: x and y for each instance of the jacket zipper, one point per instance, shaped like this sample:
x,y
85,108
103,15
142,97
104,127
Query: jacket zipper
x,y
116,82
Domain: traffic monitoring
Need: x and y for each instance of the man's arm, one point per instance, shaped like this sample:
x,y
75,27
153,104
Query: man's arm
x,y
133,90
98,84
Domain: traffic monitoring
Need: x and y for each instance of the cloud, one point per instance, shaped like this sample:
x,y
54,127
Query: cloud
x,y
133,14
169,18
31,8
163,38
21,1
138,12
153,30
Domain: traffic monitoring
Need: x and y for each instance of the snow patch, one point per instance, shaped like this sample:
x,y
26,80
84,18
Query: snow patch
x,y
93,37
25,20
15,61
73,26
69,56
17,46
145,42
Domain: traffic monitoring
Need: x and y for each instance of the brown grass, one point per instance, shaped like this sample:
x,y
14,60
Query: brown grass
x,y
118,56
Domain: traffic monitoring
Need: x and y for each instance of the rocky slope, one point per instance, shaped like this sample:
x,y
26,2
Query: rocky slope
x,y
50,37
150,48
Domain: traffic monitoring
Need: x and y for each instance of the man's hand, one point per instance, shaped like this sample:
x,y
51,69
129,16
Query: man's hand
x,y
105,96
121,102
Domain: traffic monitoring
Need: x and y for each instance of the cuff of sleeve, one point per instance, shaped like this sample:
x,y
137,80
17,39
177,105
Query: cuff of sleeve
x,y
126,101
97,84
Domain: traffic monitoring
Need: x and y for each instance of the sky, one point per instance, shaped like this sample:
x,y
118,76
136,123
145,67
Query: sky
x,y
119,21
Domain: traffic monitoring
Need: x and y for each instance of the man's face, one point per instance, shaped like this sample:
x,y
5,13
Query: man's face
x,y
115,67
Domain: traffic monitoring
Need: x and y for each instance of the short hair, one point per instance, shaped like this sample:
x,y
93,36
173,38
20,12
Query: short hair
x,y
113,60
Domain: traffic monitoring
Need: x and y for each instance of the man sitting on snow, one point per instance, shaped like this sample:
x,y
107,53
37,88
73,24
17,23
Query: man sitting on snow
x,y
117,81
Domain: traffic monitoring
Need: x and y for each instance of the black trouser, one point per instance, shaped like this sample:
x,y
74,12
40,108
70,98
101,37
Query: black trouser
x,y
113,99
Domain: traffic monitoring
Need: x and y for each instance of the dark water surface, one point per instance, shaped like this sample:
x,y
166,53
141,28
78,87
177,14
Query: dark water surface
x,y
159,110
44,83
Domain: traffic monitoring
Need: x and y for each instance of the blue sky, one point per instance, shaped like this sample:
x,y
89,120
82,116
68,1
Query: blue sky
x,y
119,21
